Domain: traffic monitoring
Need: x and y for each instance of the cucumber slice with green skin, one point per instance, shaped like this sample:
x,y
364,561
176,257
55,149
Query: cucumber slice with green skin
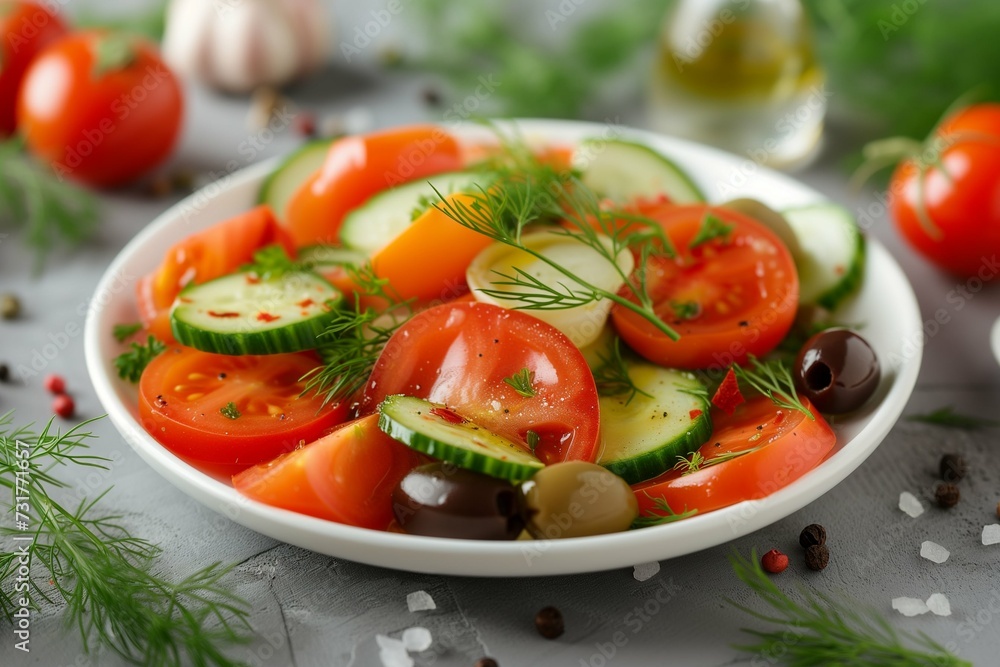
x,y
284,181
624,171
643,437
371,226
320,256
242,314
438,431
833,254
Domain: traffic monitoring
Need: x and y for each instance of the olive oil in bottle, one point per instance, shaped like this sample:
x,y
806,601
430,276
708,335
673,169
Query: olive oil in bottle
x,y
741,75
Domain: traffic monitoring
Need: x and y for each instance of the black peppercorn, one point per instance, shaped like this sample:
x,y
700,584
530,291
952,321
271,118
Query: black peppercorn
x,y
486,662
947,495
549,623
10,306
952,468
4,372
812,535
817,557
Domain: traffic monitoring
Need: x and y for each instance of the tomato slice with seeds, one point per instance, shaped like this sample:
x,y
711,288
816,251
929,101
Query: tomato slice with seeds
x,y
780,446
729,297
226,413
459,354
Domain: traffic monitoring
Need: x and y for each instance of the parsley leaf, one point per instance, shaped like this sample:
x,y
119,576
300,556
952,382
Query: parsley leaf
x,y
132,363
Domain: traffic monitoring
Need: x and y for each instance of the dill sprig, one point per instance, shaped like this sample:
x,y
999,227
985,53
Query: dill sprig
x,y
712,228
822,631
522,382
49,210
131,363
272,262
612,376
353,341
697,461
525,191
102,572
947,416
661,515
774,380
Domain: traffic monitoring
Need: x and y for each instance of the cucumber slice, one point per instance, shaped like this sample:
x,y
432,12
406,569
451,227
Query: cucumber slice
x,y
322,256
371,226
833,253
643,437
284,181
437,431
624,171
242,314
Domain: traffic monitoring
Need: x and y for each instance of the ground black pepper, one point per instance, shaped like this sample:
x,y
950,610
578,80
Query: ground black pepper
x,y
952,468
812,535
817,557
947,495
4,372
549,623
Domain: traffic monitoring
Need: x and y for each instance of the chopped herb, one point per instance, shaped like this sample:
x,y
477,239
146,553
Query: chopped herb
x,y
821,631
690,465
712,227
533,439
230,411
273,262
612,377
522,382
122,332
132,363
663,514
685,310
774,380
947,416
424,202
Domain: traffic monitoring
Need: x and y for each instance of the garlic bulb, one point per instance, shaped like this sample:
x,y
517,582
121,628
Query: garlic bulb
x,y
239,45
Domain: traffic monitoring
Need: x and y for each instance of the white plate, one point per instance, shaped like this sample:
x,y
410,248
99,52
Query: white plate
x,y
995,339
886,306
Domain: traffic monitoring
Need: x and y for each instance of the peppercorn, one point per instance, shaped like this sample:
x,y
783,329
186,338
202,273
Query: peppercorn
x,y
812,535
549,623
10,306
774,562
305,124
998,510
817,557
55,384
952,468
486,662
432,97
947,495
4,372
64,406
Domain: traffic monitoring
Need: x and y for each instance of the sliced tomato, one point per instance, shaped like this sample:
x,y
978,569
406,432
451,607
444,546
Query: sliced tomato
x,y
730,297
781,445
208,254
357,167
459,354
347,476
225,413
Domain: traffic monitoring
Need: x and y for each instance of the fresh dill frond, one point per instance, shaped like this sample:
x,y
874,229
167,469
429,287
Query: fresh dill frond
x,y
522,382
122,332
662,514
272,262
690,464
712,228
774,380
612,376
820,630
132,363
947,416
100,571
50,211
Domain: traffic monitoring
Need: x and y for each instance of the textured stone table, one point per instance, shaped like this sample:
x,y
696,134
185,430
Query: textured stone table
x,y
311,610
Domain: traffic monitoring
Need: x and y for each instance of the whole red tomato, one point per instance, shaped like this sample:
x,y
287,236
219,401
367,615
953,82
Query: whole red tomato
x,y
949,208
100,107
25,29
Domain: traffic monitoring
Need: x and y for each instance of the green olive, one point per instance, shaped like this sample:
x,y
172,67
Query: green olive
x,y
576,499
771,219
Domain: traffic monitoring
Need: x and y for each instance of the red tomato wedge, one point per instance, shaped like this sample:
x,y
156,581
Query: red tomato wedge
x,y
460,353
347,476
729,297
185,397
208,254
357,167
781,445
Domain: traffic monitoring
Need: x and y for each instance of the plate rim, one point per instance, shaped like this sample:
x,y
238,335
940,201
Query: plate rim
x,y
493,559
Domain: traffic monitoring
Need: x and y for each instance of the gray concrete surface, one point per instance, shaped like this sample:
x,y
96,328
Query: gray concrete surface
x,y
311,610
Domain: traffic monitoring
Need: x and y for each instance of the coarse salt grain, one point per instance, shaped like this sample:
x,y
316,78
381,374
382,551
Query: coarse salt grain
x,y
909,606
934,552
392,652
417,639
644,571
991,534
909,504
939,605
420,601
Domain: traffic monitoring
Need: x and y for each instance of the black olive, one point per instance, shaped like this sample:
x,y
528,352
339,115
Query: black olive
x,y
837,370
442,500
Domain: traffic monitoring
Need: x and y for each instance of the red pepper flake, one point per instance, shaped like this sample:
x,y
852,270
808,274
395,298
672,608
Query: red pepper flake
x,y
728,395
449,416
226,314
779,417
267,317
184,299
694,414
305,303
253,279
